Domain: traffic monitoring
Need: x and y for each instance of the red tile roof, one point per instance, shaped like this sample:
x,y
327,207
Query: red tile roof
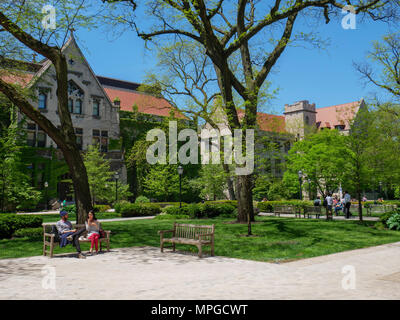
x,y
268,122
146,103
21,78
342,114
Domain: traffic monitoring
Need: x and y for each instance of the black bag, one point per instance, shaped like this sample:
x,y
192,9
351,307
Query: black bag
x,y
55,232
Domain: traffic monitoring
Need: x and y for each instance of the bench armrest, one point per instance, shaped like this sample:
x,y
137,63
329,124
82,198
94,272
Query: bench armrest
x,y
165,231
51,235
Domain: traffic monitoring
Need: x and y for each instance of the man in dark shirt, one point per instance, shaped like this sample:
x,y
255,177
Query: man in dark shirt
x,y
68,235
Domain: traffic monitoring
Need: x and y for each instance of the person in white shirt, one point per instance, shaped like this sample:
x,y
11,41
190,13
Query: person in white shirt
x,y
329,203
347,204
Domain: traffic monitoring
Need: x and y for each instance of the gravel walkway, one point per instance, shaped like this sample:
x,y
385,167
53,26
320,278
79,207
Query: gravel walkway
x,y
145,273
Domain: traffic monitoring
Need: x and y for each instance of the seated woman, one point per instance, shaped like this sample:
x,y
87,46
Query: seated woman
x,y
93,229
338,207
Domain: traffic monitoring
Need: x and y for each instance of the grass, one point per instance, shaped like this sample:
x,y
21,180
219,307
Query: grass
x,y
276,239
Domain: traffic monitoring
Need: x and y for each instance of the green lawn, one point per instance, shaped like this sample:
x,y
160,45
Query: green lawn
x,y
277,239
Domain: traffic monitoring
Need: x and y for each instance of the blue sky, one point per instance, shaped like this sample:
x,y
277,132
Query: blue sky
x,y
325,77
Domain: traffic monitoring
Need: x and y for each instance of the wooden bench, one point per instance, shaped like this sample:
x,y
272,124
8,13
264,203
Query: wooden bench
x,y
49,239
312,210
192,234
278,210
380,208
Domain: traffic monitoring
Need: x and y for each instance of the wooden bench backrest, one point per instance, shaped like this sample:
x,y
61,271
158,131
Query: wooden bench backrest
x,y
47,227
312,209
190,231
284,208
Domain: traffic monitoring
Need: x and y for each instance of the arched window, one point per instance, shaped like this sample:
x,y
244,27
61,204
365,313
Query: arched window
x,y
76,96
42,100
307,120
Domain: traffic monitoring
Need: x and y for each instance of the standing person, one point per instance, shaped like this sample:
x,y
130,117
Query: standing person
x,y
317,202
93,229
69,235
347,204
329,204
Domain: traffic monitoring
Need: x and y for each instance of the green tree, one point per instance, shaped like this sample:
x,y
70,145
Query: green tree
x,y
212,181
224,28
16,190
321,157
101,178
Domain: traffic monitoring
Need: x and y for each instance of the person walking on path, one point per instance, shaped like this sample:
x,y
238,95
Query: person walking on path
x,y
69,235
93,229
347,204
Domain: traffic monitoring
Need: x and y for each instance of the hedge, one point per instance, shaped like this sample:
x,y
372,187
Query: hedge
x,y
231,202
268,206
33,233
140,210
203,210
101,207
9,223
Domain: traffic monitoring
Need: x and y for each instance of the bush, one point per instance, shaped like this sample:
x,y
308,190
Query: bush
x,y
394,221
139,210
204,210
33,233
172,216
268,206
71,209
9,223
231,202
385,217
142,199
118,205
101,207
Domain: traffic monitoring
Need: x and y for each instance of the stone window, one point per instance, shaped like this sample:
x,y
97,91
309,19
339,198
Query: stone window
x,y
79,137
96,108
76,96
100,138
42,101
340,127
35,136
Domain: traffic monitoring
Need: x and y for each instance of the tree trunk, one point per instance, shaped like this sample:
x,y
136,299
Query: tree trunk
x,y
245,199
229,183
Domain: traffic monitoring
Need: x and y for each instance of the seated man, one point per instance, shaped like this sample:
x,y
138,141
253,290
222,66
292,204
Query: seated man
x,y
68,235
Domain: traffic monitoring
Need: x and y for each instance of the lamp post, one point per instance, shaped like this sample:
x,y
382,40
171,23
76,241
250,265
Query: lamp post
x,y
180,172
300,174
380,189
116,176
309,188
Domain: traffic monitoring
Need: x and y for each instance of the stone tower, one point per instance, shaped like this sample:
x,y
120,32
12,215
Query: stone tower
x,y
300,117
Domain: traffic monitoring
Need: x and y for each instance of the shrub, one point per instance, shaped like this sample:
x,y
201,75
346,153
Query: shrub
x,y
231,202
172,216
118,205
142,199
9,223
385,217
268,206
71,209
394,221
101,207
204,210
139,210
33,233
